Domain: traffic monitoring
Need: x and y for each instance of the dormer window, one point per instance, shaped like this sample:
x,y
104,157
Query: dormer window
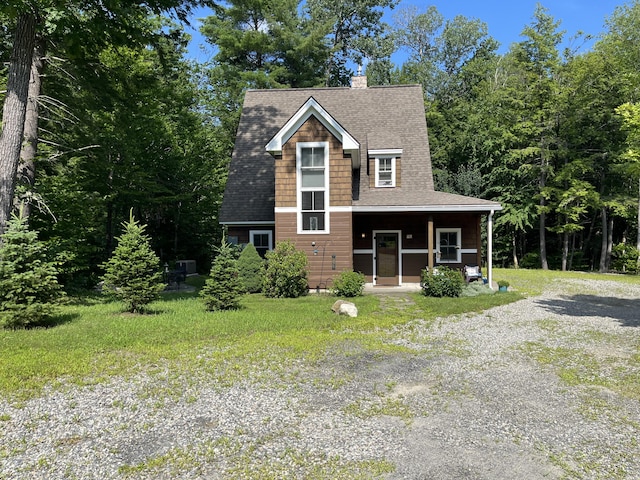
x,y
385,166
385,172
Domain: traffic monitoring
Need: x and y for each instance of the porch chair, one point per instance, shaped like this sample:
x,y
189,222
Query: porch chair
x,y
471,273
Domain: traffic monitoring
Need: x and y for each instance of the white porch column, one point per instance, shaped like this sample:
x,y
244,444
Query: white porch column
x,y
490,249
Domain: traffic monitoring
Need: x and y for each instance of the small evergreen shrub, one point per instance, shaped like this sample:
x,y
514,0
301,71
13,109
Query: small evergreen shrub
x,y
446,282
348,284
251,267
286,273
223,289
29,288
132,274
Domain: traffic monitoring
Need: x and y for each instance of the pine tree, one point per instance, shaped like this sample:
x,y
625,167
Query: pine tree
x,y
251,266
223,289
29,288
132,274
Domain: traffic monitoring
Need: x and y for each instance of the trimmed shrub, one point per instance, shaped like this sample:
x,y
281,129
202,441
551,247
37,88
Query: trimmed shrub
x,y
348,284
286,273
132,274
223,289
29,288
446,282
251,267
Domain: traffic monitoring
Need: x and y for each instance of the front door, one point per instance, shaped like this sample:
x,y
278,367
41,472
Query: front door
x,y
387,259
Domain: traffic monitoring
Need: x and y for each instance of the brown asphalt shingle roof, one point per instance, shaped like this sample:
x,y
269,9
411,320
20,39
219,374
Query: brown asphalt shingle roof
x,y
377,117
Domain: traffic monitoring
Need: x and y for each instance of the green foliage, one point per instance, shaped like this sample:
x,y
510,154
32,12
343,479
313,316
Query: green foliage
x,y
624,258
286,274
251,268
445,282
348,284
29,288
475,289
223,289
132,274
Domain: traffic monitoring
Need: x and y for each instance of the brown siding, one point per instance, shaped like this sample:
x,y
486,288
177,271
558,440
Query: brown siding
x,y
412,265
339,166
322,266
363,262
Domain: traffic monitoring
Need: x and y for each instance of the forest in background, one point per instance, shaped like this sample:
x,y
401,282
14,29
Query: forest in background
x,y
116,116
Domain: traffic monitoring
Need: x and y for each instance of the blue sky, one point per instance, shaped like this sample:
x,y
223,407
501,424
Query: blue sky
x,y
505,19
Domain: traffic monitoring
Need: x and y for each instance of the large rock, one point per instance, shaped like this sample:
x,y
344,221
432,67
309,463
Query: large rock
x,y
341,307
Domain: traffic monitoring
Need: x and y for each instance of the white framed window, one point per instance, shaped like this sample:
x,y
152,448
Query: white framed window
x,y
448,245
385,171
262,240
312,168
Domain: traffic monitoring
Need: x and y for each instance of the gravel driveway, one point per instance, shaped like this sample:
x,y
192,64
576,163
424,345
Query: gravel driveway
x,y
544,388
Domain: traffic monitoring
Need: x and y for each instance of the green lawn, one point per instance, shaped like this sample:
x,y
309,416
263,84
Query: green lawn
x,y
93,339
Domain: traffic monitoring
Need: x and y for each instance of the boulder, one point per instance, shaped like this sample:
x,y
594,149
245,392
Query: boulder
x,y
341,307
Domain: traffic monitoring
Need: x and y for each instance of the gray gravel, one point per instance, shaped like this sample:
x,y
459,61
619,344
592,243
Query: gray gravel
x,y
470,397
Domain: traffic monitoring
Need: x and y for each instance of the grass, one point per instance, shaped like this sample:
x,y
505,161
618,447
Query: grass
x,y
93,340
532,282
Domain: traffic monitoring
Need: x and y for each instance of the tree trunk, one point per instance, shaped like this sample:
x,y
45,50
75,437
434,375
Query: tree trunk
x,y
609,242
565,250
603,244
543,220
27,169
13,113
638,236
514,244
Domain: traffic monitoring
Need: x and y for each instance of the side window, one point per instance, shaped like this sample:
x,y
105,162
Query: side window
x,y
262,240
448,244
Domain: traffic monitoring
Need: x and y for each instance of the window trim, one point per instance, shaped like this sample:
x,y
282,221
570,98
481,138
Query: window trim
x,y
261,232
458,232
300,189
393,171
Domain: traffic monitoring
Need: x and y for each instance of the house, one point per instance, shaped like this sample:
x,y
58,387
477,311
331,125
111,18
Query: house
x,y
345,173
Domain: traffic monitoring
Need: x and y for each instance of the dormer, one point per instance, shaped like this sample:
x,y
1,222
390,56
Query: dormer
x,y
312,108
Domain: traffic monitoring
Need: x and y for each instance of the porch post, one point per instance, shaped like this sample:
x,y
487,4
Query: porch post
x,y
490,249
430,258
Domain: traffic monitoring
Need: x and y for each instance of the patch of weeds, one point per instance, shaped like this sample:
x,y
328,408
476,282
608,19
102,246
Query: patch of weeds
x,y
300,464
191,458
5,417
392,407
576,367
549,325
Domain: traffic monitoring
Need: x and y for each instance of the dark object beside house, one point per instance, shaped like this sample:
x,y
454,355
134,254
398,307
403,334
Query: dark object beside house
x,y
173,278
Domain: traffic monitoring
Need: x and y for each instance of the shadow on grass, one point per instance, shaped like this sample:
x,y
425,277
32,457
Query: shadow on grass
x,y
622,310
55,321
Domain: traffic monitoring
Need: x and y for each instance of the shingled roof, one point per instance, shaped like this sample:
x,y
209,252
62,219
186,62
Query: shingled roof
x,y
390,117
